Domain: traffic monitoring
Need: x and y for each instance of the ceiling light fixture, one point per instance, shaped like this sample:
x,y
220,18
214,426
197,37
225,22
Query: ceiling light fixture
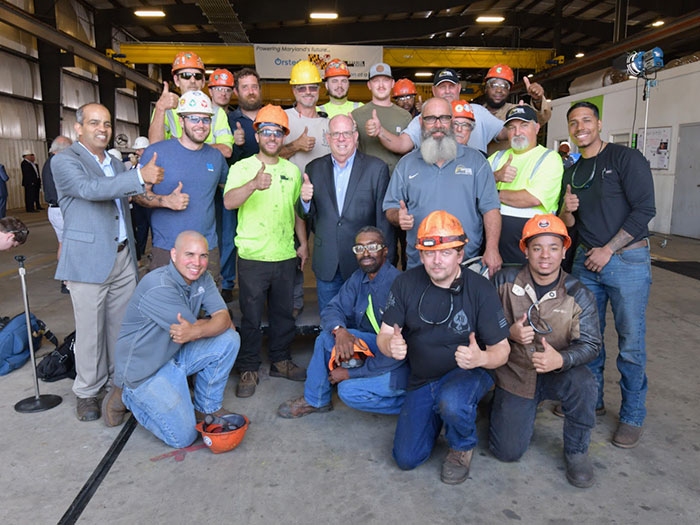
x,y
658,23
490,19
424,74
149,13
323,16
580,55
530,75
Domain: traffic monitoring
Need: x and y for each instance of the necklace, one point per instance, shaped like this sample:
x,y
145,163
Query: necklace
x,y
588,182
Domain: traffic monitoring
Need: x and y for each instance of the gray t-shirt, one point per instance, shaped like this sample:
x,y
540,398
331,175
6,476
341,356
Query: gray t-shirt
x,y
464,187
317,128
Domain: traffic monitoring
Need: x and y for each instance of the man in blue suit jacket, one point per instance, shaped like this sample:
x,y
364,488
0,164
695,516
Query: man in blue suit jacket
x,y
98,255
341,193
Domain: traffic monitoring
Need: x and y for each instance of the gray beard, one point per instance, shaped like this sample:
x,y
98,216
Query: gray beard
x,y
434,150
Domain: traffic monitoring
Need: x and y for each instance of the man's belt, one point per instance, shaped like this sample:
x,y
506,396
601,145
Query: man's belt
x,y
639,244
53,205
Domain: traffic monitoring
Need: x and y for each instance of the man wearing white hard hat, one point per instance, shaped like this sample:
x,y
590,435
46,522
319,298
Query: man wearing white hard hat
x,y
184,200
30,181
140,216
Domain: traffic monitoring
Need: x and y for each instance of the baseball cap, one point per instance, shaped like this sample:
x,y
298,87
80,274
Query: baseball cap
x,y
446,75
380,70
523,112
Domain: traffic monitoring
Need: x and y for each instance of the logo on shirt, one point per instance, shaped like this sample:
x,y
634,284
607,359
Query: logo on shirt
x,y
462,170
391,300
460,323
210,166
413,176
398,130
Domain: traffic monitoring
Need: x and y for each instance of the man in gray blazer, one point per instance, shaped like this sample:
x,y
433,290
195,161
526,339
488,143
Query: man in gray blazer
x,y
97,258
341,193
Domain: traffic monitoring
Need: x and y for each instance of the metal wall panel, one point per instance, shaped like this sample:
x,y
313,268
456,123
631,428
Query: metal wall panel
x,y
13,38
24,80
126,108
77,92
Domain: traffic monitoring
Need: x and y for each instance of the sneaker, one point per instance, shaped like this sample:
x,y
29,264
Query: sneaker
x,y
579,470
227,295
288,369
246,386
559,412
88,409
627,436
113,408
299,407
455,468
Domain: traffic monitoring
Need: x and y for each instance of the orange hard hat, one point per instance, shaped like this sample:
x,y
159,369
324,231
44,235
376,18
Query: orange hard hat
x,y
402,87
361,352
187,60
544,225
272,114
221,77
440,230
336,68
462,109
219,441
501,71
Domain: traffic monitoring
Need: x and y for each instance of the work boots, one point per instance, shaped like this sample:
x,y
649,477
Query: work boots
x,y
88,409
455,467
579,470
247,383
113,408
298,407
288,369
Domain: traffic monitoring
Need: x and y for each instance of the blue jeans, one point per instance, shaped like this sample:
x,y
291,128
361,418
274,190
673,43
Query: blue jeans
x,y
162,403
327,290
451,400
369,394
625,281
513,417
226,222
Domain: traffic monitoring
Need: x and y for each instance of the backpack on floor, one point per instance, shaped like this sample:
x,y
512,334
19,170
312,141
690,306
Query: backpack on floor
x,y
60,363
14,344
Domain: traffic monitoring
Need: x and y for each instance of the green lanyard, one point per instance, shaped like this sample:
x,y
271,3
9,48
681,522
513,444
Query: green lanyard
x,y
370,315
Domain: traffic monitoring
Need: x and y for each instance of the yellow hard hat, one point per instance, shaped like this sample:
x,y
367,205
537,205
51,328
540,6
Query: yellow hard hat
x,y
304,72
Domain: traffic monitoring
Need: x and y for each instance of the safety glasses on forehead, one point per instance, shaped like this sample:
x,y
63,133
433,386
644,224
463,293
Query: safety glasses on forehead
x,y
371,248
267,132
195,119
187,76
429,242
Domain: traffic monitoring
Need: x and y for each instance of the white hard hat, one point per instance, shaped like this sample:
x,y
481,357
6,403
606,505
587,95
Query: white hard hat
x,y
194,102
141,143
115,153
27,152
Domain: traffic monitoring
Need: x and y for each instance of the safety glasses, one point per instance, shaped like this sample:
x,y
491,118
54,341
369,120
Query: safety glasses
x,y
539,325
187,76
306,89
371,248
196,119
428,321
267,132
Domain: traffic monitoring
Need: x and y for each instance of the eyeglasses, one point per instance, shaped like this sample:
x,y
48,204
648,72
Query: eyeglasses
x,y
305,89
221,89
371,248
429,242
187,76
432,119
498,84
17,231
535,321
335,135
460,125
404,98
267,132
194,119
434,323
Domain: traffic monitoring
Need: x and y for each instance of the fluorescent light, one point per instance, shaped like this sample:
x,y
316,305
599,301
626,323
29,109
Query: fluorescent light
x,y
424,74
658,23
323,16
209,71
152,13
487,19
580,55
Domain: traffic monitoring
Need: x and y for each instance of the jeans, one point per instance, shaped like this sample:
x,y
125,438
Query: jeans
x,y
369,394
451,400
327,290
226,223
513,417
162,403
625,281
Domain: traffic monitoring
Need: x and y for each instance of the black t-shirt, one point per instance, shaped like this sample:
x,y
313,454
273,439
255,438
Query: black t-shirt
x,y
431,347
620,195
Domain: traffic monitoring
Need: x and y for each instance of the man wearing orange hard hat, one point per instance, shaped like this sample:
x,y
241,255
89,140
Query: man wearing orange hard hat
x,y
462,121
404,93
337,82
448,322
554,332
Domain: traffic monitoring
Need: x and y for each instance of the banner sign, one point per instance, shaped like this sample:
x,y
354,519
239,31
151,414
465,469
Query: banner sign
x,y
277,60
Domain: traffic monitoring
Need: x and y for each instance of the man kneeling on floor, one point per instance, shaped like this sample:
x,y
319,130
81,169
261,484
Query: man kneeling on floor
x,y
162,342
554,332
446,315
371,382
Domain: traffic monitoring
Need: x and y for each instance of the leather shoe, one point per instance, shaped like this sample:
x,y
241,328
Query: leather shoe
x,y
288,369
298,407
246,385
113,408
627,436
579,470
559,412
88,409
455,467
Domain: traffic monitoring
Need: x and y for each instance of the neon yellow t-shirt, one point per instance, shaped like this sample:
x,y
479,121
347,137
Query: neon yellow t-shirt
x,y
339,109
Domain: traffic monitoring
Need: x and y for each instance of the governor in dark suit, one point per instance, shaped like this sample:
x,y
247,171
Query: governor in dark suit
x,y
97,258
341,193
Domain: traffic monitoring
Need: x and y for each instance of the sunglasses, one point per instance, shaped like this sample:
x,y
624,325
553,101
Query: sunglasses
x,y
194,119
187,76
371,248
306,89
432,119
277,133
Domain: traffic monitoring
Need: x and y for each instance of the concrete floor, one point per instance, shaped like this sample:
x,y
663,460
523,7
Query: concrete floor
x,y
337,467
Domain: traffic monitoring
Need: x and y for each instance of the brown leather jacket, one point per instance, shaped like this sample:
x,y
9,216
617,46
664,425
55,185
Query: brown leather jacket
x,y
569,308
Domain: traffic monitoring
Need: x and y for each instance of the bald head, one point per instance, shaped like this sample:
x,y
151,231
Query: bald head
x,y
190,255
189,236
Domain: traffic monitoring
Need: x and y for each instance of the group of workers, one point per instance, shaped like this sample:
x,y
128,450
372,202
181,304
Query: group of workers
x,y
251,185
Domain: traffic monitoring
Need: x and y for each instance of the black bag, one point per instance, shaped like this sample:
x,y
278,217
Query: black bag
x,y
60,363
14,344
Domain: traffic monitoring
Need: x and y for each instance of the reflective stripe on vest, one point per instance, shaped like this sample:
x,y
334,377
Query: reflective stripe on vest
x,y
370,315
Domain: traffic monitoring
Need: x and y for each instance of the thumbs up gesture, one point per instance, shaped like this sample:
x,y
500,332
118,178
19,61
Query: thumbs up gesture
x,y
570,200
471,356
547,360
262,180
307,189
397,344
183,331
406,220
150,173
418,104
507,173
178,200
534,89
239,135
373,126
521,332
168,99
304,142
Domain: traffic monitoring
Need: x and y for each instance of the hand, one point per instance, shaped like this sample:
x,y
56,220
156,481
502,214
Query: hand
x,y
547,360
338,374
492,259
397,344
168,99
344,345
418,104
597,258
239,135
521,332
373,127
183,331
262,180
570,200
304,142
507,173
405,219
178,200
535,90
150,173
471,356
303,254
307,189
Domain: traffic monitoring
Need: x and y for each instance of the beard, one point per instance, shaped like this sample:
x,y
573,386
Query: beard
x,y
519,143
190,135
443,149
250,105
495,105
